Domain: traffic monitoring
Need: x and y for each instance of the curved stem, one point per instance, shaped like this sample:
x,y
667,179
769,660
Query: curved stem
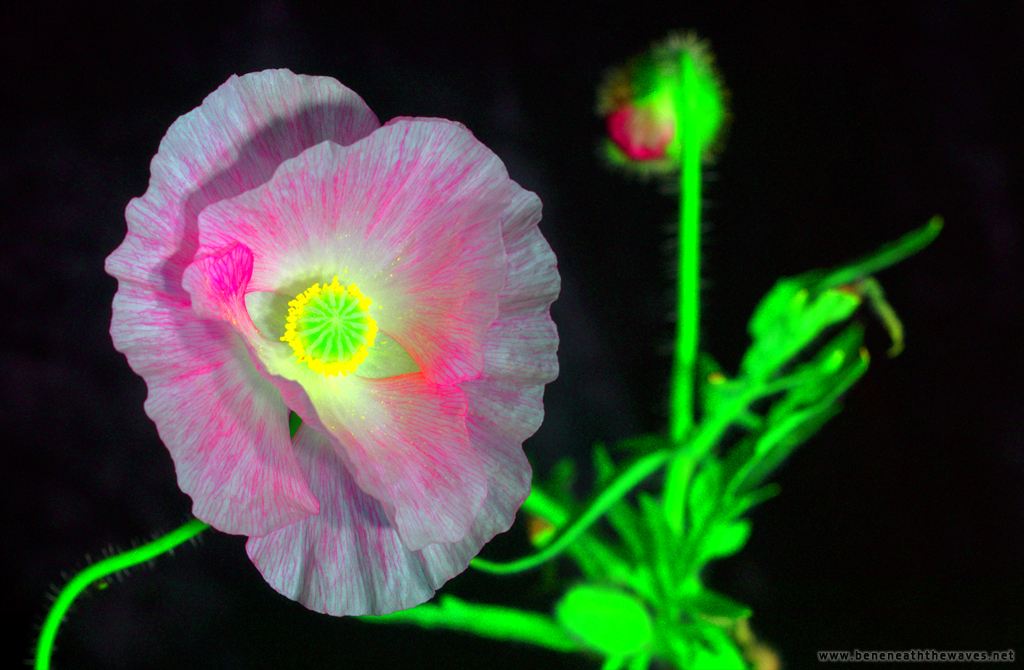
x,y
97,572
615,492
498,623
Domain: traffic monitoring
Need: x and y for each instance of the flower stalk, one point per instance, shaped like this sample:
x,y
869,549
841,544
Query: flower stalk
x,y
97,574
681,415
687,339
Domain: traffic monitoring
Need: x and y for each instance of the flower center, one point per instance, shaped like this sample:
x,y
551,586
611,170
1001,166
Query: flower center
x,y
329,328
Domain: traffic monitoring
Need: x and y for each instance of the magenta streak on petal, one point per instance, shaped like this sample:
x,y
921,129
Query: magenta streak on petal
x,y
217,282
217,285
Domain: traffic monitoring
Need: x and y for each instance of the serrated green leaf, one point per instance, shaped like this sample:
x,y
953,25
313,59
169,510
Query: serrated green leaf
x,y
792,316
815,379
798,309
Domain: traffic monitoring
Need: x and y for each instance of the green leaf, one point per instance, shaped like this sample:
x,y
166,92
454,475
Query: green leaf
x,y
705,493
593,562
799,309
887,255
294,422
745,502
542,505
661,545
715,605
707,366
605,499
724,539
719,393
607,620
562,479
604,466
737,459
776,445
625,521
718,652
801,413
791,316
817,378
641,445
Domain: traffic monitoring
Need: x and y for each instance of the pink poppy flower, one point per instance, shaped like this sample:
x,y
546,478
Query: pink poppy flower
x,y
389,285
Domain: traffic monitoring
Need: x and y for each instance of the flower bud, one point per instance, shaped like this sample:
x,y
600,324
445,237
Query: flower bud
x,y
648,103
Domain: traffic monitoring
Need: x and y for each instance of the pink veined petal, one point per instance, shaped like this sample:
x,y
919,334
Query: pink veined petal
x,y
412,214
508,484
505,405
217,283
225,426
404,439
414,472
521,344
231,143
350,559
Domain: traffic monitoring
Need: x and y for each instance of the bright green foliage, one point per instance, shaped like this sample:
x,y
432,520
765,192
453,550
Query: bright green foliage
x,y
643,597
604,500
607,620
799,309
788,319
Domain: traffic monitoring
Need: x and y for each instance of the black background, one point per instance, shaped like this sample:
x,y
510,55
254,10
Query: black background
x,y
899,526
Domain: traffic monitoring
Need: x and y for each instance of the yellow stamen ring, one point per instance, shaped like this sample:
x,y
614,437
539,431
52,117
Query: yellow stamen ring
x,y
329,328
